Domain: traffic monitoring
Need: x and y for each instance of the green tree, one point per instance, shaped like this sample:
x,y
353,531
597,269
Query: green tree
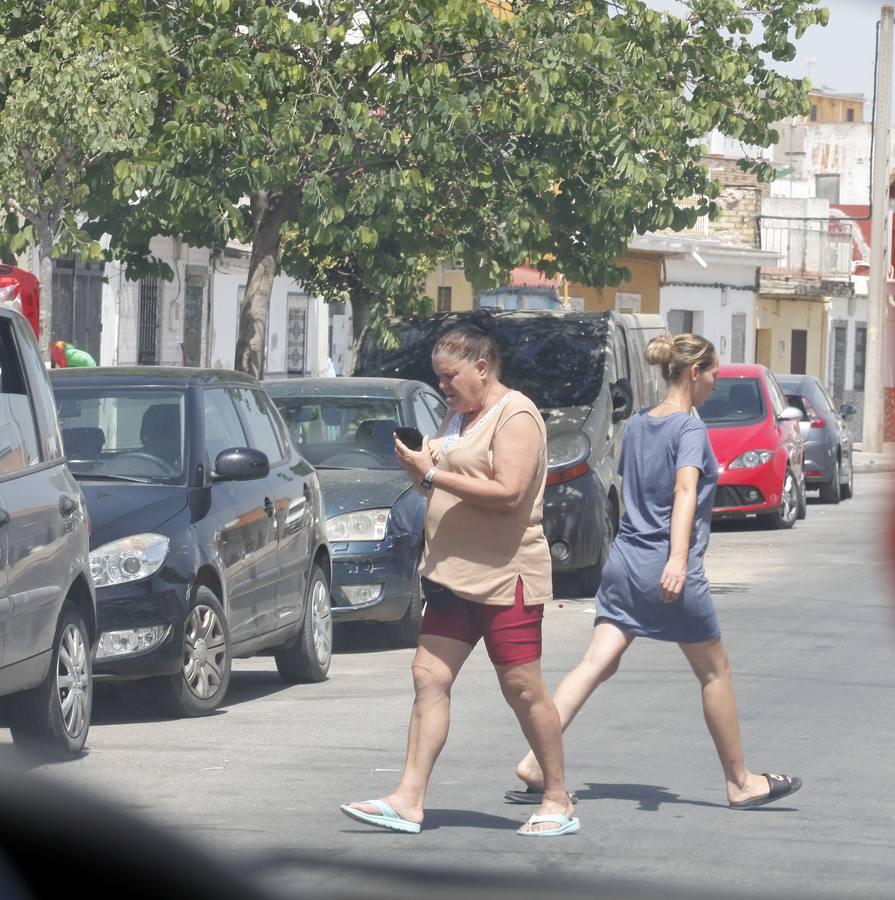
x,y
356,142
72,94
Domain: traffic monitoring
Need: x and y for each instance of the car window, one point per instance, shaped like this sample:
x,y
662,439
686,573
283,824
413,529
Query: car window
x,y
19,446
734,401
425,420
41,393
126,431
826,398
556,361
223,428
437,406
777,400
343,432
255,410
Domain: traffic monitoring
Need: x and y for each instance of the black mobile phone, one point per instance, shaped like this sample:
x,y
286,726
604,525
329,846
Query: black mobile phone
x,y
410,437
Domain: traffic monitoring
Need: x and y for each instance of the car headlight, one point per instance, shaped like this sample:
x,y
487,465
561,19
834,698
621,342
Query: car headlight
x,y
362,525
129,559
750,459
564,448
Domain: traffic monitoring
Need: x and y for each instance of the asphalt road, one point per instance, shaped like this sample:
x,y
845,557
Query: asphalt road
x,y
807,620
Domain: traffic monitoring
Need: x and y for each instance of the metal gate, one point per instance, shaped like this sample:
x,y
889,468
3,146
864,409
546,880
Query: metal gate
x,y
147,337
77,304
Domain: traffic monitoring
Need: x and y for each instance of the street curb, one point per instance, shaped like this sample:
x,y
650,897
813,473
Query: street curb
x,y
886,465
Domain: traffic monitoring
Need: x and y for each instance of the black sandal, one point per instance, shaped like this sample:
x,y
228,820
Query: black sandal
x,y
780,786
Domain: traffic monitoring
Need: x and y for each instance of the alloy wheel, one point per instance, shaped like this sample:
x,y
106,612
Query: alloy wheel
x,y
321,621
73,681
204,652
789,505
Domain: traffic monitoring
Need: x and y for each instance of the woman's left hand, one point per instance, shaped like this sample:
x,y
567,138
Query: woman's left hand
x,y
674,576
416,462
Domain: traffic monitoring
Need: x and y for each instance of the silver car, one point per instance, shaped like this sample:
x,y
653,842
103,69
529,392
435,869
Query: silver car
x,y
47,600
828,441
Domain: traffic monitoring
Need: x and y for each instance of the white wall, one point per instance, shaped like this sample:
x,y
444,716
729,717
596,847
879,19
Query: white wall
x,y
714,294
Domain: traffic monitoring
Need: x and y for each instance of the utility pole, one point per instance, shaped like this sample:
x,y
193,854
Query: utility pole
x,y
874,382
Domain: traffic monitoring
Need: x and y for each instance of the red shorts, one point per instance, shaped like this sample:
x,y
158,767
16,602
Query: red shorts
x,y
512,633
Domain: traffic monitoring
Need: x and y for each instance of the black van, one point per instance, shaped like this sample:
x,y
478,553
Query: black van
x,y
587,373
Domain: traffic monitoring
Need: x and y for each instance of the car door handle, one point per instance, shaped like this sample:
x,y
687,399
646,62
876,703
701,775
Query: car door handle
x,y
4,517
67,506
268,506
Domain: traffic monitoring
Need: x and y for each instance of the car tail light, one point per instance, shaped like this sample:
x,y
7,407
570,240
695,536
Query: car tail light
x,y
559,476
815,420
818,422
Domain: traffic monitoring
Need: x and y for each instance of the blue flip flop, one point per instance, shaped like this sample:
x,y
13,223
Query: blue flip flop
x,y
388,818
566,825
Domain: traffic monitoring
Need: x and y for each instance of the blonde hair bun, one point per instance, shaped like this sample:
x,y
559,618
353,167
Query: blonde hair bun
x,y
677,354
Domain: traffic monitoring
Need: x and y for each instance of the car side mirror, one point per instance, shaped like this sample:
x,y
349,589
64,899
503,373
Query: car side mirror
x,y
622,399
240,464
790,414
847,410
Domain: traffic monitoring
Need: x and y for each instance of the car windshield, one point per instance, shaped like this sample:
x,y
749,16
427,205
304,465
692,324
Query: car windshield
x,y
556,361
343,432
123,432
735,401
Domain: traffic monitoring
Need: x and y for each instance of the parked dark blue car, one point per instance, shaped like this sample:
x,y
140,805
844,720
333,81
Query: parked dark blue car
x,y
207,539
374,518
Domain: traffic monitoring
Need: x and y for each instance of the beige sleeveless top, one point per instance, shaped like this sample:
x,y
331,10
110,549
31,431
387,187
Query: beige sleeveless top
x,y
480,553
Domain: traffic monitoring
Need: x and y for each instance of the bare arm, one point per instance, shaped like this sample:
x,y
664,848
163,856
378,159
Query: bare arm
x,y
683,512
515,453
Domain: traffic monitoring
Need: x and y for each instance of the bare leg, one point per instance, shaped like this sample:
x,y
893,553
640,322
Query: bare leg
x,y
712,667
600,663
525,691
435,667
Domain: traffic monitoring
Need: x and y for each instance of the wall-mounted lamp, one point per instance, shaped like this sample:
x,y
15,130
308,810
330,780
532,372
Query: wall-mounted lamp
x,y
700,261
724,296
724,343
781,347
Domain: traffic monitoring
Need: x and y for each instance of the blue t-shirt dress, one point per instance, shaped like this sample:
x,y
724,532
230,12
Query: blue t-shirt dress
x,y
653,450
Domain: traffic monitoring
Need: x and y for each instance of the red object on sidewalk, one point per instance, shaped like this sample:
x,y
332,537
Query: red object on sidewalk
x,y
21,289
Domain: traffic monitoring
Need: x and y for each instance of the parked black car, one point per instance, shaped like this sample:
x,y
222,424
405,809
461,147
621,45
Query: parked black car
x,y
47,604
586,372
374,517
828,441
207,536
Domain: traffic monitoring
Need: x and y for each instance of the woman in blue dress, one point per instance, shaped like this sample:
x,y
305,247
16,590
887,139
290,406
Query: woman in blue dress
x,y
653,583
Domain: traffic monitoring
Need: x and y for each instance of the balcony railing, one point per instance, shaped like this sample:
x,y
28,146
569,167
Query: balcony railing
x,y
808,249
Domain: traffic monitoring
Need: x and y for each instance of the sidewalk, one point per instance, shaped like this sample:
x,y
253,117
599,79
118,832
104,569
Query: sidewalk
x,y
874,462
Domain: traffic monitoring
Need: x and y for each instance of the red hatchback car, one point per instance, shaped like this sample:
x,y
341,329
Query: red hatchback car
x,y
760,451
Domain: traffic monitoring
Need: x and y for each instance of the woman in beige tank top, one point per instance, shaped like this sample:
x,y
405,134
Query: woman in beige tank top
x,y
486,574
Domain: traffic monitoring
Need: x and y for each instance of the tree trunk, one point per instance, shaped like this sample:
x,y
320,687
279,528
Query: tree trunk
x,y
45,280
269,213
360,313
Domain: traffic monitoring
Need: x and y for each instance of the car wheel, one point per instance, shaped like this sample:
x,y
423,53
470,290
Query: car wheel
x,y
201,684
52,720
406,631
803,499
847,490
786,514
831,492
307,656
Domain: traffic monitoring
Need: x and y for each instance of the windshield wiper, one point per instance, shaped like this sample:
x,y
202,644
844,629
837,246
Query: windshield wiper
x,y
101,476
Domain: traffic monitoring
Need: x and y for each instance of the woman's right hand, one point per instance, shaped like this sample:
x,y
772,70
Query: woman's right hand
x,y
674,576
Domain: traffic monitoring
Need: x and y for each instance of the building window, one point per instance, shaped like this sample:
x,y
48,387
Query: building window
x,y
738,338
147,349
680,321
297,329
826,187
813,115
444,300
860,356
849,115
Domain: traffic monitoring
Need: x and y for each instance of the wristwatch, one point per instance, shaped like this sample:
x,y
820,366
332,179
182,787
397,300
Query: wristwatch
x,y
426,482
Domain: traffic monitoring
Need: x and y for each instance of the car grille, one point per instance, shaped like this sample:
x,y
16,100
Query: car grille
x,y
737,495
